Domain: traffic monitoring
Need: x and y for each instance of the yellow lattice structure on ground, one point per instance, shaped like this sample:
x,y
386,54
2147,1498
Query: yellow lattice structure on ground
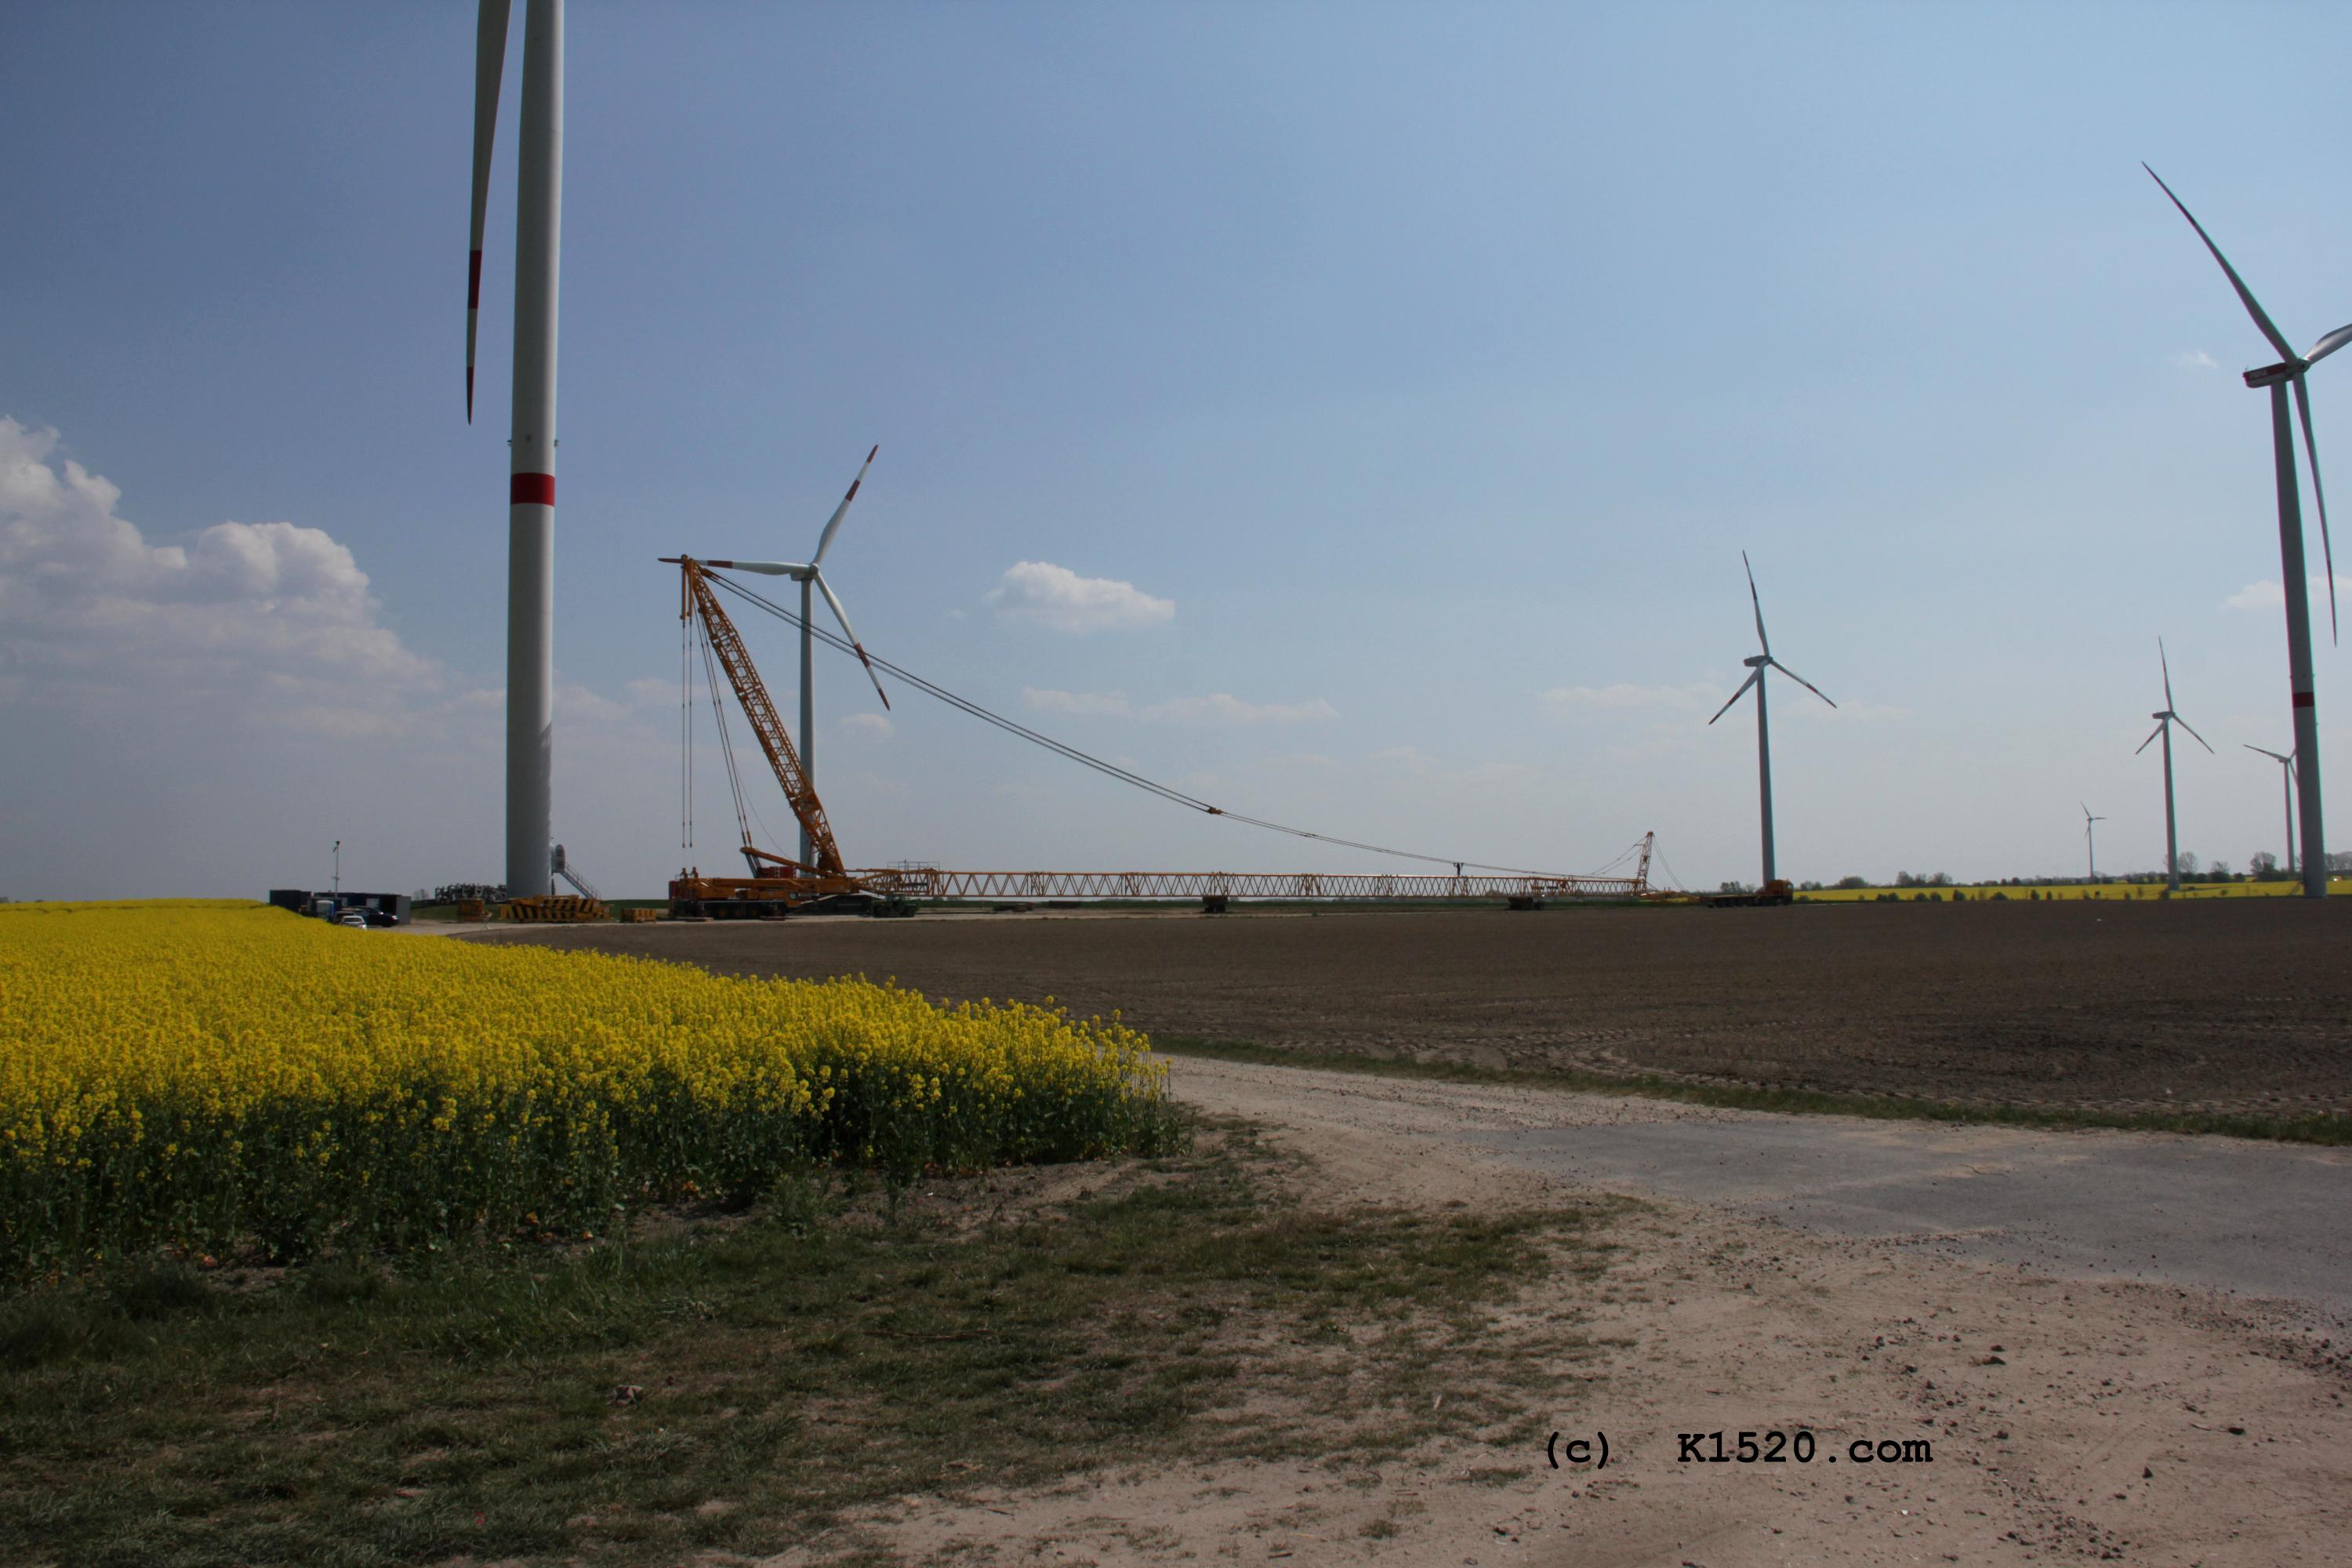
x,y
565,909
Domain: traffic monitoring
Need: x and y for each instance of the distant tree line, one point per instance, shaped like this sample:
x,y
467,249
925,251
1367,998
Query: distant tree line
x,y
2262,865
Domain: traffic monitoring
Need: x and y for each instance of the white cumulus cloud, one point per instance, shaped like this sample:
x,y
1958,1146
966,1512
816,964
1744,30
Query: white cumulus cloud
x,y
269,622
1112,703
1059,598
1224,708
2267,595
2197,359
871,726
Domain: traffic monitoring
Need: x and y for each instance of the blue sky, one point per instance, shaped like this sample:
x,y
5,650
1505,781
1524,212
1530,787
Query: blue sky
x,y
1434,364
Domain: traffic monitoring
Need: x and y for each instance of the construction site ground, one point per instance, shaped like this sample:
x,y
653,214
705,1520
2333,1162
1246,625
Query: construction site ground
x,y
2237,1007
2122,1346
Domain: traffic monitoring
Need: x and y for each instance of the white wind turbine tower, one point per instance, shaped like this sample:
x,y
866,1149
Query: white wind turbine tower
x,y
1757,666
2287,791
530,489
2289,373
810,576
2090,842
2164,720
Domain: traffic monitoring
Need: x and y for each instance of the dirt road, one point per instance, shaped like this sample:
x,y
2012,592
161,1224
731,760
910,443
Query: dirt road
x,y
2260,1220
2078,1417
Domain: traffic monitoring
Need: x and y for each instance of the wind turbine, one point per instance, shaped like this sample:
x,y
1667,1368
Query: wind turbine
x,y
810,576
2090,843
531,486
1757,666
2289,373
2164,720
2286,793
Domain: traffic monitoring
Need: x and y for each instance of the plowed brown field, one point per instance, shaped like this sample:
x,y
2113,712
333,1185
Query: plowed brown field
x,y
2243,1005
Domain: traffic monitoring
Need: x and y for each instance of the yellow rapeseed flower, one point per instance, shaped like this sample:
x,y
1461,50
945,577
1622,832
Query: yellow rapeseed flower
x,y
204,1075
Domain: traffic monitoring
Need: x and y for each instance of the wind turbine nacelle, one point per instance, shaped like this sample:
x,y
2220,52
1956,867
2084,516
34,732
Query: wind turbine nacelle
x,y
1757,661
2271,375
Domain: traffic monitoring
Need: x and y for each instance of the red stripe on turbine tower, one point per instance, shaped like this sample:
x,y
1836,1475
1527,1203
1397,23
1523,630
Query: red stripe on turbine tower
x,y
531,489
2303,700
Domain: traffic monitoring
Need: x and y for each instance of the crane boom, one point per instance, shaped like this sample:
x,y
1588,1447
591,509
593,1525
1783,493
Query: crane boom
x,y
751,693
779,885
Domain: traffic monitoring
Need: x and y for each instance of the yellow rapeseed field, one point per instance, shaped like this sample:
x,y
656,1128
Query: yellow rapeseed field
x,y
214,1076
2336,886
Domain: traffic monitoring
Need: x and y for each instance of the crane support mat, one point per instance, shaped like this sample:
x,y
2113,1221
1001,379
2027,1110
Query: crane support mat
x,y
551,910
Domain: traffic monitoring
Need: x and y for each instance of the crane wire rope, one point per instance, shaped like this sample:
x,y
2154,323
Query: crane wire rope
x,y
726,742
700,635
1100,765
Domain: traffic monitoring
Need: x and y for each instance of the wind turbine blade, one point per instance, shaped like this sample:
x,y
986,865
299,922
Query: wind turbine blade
x,y
2184,724
1754,676
2272,755
489,67
2319,494
1752,599
2167,673
2254,307
2144,746
833,525
1802,681
764,568
2328,345
843,617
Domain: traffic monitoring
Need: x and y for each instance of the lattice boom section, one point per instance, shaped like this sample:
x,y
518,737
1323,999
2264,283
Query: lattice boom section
x,y
927,882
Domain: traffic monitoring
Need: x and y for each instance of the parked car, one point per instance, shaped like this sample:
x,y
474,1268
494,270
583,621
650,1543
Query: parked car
x,y
356,919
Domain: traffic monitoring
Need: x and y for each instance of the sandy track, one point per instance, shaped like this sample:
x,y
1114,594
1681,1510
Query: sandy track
x,y
2070,1420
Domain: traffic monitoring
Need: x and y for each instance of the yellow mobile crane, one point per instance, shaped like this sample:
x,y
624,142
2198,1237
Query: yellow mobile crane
x,y
779,885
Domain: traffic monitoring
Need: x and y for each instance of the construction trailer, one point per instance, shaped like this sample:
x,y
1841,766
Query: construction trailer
x,y
331,905
778,884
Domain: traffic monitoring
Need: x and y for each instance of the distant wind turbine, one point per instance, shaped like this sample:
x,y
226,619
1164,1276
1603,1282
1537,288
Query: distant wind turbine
x,y
2164,720
2288,373
2090,843
1757,666
2286,791
810,576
